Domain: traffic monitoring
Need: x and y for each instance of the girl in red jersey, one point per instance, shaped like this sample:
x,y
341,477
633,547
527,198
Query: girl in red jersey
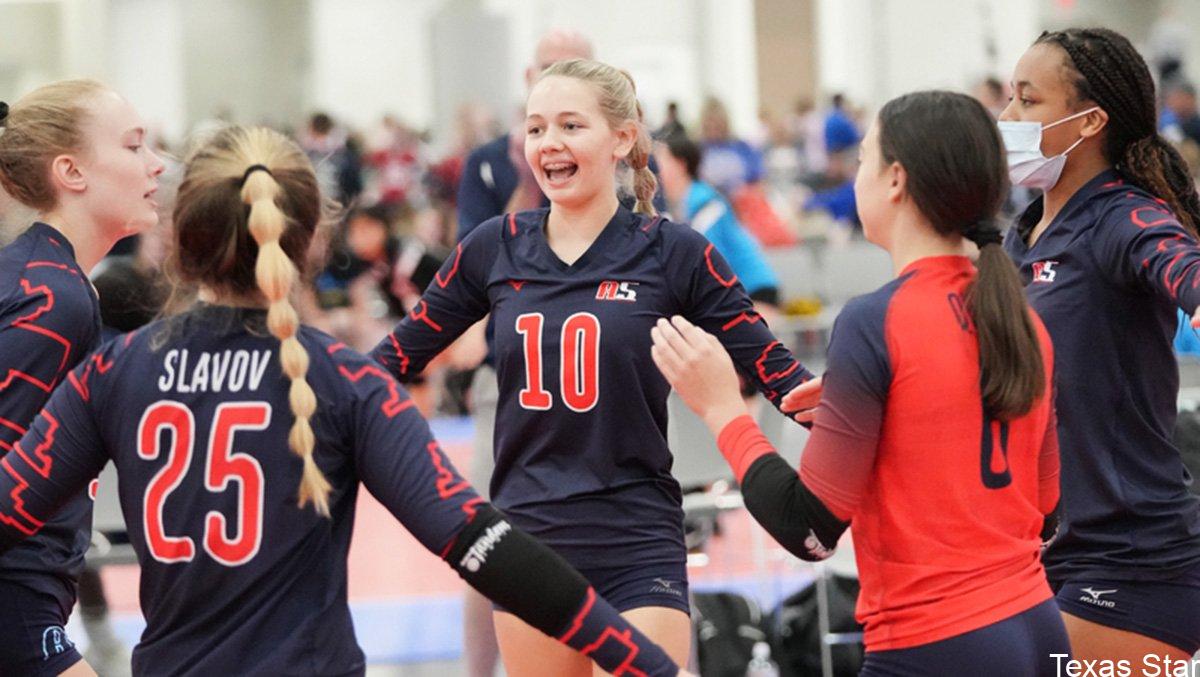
x,y
935,433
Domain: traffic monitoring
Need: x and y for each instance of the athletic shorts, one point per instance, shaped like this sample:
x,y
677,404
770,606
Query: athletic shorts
x,y
1168,611
626,588
1018,645
33,616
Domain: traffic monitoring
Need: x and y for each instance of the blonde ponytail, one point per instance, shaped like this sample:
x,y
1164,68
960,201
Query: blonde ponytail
x,y
276,273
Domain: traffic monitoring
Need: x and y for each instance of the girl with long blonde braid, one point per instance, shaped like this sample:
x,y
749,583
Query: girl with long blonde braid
x,y
275,274
221,447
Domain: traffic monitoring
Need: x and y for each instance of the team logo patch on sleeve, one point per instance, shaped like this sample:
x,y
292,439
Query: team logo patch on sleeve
x,y
611,290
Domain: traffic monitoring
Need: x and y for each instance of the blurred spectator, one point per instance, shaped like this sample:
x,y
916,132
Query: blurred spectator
x,y
728,163
841,132
1179,100
703,207
807,128
335,157
991,93
396,160
671,126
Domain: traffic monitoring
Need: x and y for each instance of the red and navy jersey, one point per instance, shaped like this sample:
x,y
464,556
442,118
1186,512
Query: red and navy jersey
x,y
582,415
49,321
1106,277
193,411
946,505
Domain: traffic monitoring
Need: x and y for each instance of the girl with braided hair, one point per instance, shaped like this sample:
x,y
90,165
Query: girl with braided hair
x,y
239,471
1106,255
581,453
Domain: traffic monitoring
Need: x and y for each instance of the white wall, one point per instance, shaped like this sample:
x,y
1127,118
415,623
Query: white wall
x,y
874,50
146,61
370,57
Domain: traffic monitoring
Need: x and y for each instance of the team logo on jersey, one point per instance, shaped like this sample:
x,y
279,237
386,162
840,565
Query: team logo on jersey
x,y
611,290
1093,597
1044,271
54,641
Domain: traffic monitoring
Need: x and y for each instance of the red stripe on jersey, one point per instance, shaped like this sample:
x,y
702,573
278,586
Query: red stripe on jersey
x,y
421,312
761,365
653,222
453,269
399,353
26,323
623,638
335,347
1164,217
19,503
713,269
583,612
44,463
394,405
51,264
749,318
81,384
448,484
512,223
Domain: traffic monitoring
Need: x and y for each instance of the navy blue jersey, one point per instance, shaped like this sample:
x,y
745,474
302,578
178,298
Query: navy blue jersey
x,y
193,411
1106,277
580,440
49,321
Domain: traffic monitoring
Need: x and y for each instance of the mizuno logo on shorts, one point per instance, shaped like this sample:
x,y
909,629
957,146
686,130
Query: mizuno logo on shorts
x,y
1093,597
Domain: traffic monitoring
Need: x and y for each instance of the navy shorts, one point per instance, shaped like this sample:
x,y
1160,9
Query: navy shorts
x,y
34,616
1017,645
1168,611
628,588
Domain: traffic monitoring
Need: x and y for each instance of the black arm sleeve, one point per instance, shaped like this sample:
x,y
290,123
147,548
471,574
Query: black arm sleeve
x,y
531,581
777,498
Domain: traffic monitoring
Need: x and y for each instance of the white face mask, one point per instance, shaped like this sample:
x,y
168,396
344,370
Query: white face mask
x,y
1026,164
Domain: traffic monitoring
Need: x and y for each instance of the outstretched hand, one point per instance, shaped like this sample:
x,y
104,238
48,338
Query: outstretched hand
x,y
696,365
802,401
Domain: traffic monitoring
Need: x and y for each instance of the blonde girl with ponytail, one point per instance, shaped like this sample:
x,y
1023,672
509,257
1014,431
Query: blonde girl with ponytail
x,y
74,154
573,291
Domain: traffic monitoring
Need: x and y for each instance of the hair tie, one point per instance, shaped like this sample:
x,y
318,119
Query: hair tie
x,y
255,168
983,234
3,113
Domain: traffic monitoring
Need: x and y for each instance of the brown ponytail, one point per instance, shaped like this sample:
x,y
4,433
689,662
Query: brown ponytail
x,y
958,178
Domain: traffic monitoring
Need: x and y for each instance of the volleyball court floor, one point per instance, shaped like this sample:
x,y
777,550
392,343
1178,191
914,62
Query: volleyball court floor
x,y
407,604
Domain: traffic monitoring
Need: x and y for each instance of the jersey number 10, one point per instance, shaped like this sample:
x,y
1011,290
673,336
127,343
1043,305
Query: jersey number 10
x,y
579,363
222,465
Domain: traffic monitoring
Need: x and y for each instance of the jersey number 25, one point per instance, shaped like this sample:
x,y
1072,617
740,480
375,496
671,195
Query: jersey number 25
x,y
580,362
222,465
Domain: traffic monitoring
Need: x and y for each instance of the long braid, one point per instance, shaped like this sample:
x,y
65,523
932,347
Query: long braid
x,y
1106,69
275,274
